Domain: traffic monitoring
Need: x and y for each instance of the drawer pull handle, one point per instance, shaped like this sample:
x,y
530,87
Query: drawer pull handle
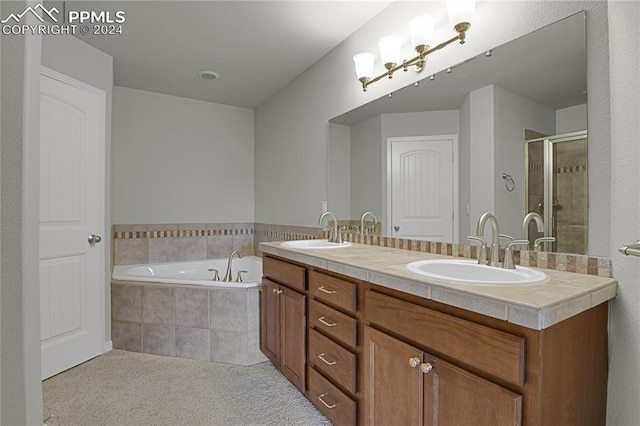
x,y
328,324
322,358
324,290
330,407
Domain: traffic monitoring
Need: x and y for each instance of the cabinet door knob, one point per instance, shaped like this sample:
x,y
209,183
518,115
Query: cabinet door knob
x,y
280,291
275,290
414,362
426,367
396,227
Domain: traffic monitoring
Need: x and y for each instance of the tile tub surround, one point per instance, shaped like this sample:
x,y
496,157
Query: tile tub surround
x,y
537,306
187,322
134,244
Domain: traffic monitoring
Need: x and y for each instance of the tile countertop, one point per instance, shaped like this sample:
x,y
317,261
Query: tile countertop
x,y
535,306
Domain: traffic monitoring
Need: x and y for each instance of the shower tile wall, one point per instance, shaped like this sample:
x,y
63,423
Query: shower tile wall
x,y
570,189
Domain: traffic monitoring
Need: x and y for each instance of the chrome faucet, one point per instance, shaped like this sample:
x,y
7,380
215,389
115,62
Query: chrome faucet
x,y
537,244
363,231
227,275
494,254
335,233
525,224
482,253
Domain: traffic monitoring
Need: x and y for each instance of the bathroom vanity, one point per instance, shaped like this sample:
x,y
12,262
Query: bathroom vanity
x,y
369,342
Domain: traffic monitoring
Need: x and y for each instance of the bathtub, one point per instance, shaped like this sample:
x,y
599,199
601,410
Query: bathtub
x,y
194,272
175,309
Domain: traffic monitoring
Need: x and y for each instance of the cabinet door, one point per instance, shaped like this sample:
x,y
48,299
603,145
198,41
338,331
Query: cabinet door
x,y
292,336
270,321
393,388
453,396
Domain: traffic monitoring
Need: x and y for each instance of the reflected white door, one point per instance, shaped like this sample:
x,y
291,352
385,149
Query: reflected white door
x,y
71,204
423,187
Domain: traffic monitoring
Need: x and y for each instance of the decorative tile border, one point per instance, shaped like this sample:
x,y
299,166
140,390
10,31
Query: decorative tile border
x,y
578,263
262,232
180,233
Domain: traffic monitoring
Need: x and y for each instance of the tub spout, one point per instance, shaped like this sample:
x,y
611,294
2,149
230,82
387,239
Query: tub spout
x,y
227,275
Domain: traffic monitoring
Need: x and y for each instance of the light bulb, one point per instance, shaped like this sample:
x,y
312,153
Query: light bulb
x,y
390,49
364,64
461,11
422,28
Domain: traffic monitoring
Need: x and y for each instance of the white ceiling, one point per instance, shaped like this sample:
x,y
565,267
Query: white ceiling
x,y
257,47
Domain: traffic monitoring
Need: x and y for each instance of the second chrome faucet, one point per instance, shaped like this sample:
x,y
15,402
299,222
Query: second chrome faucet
x,y
335,232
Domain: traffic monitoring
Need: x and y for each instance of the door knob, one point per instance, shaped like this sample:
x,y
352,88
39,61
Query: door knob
x,y
414,362
396,227
93,239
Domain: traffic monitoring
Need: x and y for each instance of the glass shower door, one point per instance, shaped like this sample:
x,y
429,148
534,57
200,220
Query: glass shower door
x,y
556,168
569,193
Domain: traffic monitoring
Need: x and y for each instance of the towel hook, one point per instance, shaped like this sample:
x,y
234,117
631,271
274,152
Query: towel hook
x,y
509,183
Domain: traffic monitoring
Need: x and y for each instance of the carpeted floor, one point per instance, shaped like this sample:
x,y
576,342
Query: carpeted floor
x,y
126,388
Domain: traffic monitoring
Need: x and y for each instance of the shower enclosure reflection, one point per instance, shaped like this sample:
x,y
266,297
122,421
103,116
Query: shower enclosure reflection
x,y
556,188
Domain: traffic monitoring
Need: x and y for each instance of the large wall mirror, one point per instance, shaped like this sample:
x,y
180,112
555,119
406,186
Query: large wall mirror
x,y
477,137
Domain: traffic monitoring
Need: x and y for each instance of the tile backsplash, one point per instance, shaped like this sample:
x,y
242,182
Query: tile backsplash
x,y
134,244
168,243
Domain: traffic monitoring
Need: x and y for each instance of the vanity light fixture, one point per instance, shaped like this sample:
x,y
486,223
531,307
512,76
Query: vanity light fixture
x,y
422,28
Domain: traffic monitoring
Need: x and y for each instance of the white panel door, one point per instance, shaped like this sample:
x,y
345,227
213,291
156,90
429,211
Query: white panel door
x,y
71,204
422,188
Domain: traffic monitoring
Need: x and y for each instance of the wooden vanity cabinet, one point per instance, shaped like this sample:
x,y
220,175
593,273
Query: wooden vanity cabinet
x,y
367,354
283,318
333,346
406,386
428,363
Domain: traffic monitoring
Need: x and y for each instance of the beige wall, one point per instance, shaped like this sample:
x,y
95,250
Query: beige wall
x,y
20,388
179,160
624,340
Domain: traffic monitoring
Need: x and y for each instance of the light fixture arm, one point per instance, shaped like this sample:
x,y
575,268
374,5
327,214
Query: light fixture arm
x,y
418,61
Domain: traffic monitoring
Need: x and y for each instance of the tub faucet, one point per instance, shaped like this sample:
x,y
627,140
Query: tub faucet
x,y
363,231
494,253
335,233
227,275
525,224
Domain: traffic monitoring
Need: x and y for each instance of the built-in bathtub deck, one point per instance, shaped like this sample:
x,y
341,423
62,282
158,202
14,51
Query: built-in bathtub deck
x,y
187,321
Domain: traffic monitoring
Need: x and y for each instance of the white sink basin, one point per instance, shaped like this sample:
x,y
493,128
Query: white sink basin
x,y
314,244
470,272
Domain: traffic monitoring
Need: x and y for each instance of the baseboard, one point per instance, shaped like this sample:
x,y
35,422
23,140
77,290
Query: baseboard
x,y
108,345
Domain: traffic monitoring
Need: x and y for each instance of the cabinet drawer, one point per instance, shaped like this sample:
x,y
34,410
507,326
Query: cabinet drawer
x,y
333,360
332,322
283,272
334,404
476,346
333,290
